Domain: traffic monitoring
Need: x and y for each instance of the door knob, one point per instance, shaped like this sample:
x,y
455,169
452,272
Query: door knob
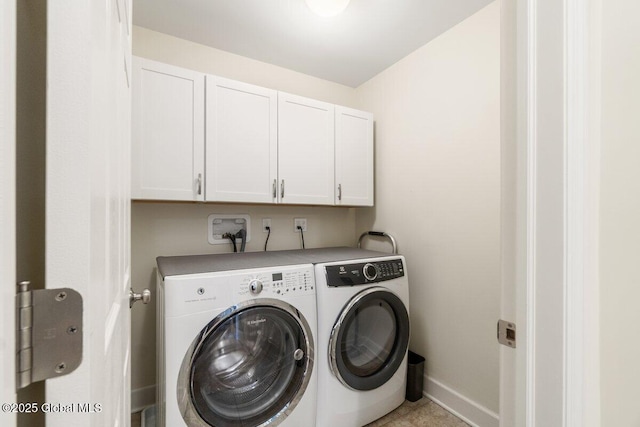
x,y
145,297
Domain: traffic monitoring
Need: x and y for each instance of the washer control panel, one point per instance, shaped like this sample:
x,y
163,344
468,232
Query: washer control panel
x,y
192,293
273,283
363,273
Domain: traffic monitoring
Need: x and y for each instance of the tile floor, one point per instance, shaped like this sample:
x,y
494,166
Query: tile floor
x,y
423,413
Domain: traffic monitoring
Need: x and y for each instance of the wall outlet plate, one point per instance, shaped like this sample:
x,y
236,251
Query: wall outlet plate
x,y
266,222
220,224
302,222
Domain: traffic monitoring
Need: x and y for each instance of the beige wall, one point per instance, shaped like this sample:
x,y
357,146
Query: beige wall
x,y
620,214
181,228
30,162
437,192
437,137
182,53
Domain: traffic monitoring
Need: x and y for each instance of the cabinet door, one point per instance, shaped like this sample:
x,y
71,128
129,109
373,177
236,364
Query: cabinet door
x,y
168,132
241,141
305,150
354,157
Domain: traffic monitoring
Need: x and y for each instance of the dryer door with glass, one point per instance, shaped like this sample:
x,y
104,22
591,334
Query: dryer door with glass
x,y
369,339
248,367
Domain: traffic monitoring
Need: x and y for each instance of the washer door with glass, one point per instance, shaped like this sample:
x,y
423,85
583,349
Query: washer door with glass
x,y
369,340
248,367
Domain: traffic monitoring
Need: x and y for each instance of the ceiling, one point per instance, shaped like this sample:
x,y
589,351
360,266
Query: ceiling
x,y
351,48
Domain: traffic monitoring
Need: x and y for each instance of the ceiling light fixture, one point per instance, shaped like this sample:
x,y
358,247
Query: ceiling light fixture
x,y
327,8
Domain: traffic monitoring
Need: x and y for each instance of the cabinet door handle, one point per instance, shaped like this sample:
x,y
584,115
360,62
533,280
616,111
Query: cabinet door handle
x,y
199,184
275,188
282,189
339,191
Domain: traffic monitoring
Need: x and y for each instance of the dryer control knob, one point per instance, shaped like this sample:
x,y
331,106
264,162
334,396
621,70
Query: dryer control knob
x,y
370,271
255,286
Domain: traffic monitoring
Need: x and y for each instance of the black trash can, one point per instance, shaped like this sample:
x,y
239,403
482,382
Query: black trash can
x,y
415,377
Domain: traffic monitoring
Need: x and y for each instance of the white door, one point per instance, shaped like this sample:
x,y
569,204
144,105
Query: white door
x,y
305,150
88,198
7,208
168,132
241,142
354,157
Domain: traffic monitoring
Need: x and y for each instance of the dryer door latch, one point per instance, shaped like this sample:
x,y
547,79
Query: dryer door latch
x,y
507,333
49,333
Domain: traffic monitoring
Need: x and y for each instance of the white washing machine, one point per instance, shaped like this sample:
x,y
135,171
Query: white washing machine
x,y
235,345
363,336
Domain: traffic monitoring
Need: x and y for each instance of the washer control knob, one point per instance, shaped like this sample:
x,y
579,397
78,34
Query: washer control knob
x,y
255,286
370,271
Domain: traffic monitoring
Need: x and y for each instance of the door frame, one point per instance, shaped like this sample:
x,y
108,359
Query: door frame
x,y
7,204
551,139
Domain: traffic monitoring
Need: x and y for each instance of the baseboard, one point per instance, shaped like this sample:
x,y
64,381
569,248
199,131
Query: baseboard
x,y
459,405
142,397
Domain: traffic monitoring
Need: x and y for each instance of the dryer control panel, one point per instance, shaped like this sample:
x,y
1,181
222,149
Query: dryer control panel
x,y
364,273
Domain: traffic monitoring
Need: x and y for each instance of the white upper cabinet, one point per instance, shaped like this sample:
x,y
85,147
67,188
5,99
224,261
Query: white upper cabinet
x,y
241,142
305,150
168,132
354,157
262,146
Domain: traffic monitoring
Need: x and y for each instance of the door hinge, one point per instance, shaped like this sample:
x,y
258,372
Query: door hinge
x,y
49,333
507,333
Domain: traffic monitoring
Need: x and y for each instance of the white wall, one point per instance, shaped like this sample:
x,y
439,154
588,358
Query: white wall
x,y
620,214
181,228
437,135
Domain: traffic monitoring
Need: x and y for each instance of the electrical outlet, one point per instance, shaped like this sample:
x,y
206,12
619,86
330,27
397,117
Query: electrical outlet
x,y
302,222
266,222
